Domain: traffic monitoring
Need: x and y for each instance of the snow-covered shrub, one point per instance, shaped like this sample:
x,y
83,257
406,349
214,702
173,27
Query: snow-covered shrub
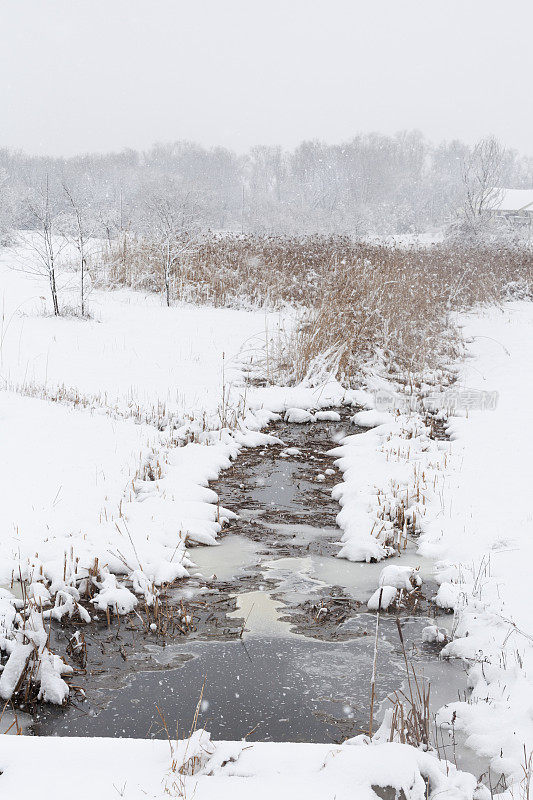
x,y
31,671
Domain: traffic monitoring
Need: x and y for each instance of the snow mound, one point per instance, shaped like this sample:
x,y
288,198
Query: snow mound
x,y
371,418
382,598
327,416
298,415
401,577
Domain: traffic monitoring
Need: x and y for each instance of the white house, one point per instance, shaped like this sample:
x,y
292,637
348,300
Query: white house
x,y
515,204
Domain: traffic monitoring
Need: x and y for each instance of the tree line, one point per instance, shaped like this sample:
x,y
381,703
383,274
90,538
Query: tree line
x,y
373,184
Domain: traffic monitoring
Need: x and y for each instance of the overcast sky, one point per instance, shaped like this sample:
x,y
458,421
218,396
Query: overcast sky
x,y
98,75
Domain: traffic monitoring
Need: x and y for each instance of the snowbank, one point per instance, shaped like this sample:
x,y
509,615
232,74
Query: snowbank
x,y
483,531
389,474
137,769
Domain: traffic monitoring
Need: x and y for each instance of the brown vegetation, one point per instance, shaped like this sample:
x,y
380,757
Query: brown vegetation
x,y
356,298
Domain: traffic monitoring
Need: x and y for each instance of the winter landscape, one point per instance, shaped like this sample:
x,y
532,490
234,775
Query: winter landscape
x,y
265,408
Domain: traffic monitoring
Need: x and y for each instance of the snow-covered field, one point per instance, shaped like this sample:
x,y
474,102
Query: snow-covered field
x,y
75,461
83,410
133,352
68,465
63,471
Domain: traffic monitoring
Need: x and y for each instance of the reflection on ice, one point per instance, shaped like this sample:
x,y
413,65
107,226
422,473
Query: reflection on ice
x,y
261,614
230,558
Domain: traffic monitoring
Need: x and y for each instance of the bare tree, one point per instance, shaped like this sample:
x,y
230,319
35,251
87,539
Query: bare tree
x,y
6,206
170,225
44,243
79,230
482,175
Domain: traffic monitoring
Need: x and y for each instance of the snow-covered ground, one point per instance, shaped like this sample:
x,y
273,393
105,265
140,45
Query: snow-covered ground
x,y
133,352
82,403
91,471
62,472
484,528
141,769
69,465
75,458
470,501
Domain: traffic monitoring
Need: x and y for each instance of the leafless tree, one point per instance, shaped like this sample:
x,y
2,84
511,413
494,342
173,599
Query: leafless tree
x,y
78,228
482,175
44,243
171,221
6,205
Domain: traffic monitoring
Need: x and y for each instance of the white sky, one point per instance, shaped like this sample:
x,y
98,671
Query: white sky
x,y
98,75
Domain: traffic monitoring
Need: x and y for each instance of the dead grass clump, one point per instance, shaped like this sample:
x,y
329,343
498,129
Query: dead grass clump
x,y
166,619
397,304
356,298
411,719
187,753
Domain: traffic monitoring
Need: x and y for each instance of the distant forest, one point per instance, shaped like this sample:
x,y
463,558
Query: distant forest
x,y
372,184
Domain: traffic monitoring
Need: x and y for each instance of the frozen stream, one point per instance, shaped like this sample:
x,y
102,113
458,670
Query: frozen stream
x,y
273,669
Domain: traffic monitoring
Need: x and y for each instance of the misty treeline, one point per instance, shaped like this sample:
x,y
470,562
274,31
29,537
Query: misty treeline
x,y
374,184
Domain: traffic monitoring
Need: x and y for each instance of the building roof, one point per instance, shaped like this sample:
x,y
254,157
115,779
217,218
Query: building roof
x,y
511,199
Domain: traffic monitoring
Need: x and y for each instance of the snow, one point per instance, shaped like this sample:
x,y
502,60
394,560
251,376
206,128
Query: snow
x,y
298,415
382,598
388,473
134,353
470,501
90,470
26,640
483,532
393,580
327,416
99,474
113,596
71,468
140,769
62,471
371,418
433,634
401,577
101,491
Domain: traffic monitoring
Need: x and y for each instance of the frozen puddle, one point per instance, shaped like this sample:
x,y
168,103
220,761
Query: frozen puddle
x,y
233,556
359,580
280,488
300,534
261,615
14,723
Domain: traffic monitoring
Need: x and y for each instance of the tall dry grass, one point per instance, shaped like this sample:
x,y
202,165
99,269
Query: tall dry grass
x,y
356,298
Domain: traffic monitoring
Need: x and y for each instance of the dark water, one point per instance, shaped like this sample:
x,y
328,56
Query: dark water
x,y
283,689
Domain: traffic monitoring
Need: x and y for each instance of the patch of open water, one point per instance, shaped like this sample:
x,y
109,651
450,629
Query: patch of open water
x,y
283,688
